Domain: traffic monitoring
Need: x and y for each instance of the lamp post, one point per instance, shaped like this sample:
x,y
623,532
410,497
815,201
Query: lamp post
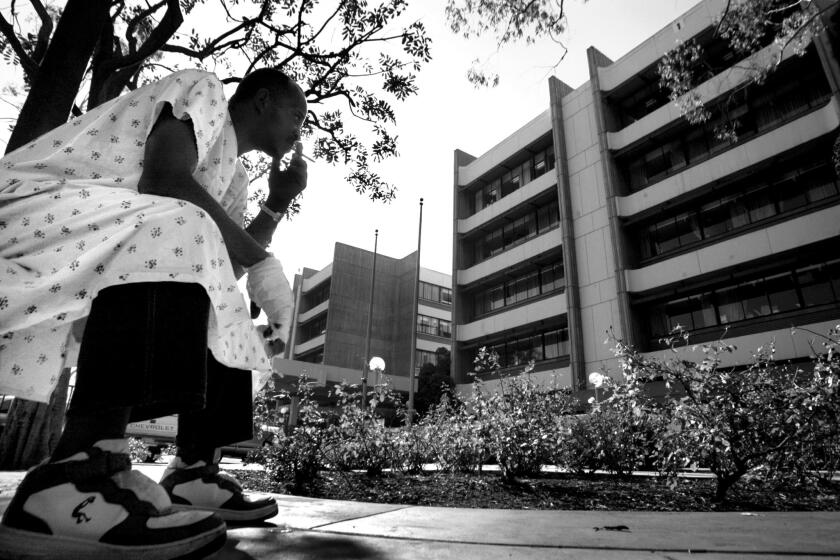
x,y
413,357
377,365
597,379
369,322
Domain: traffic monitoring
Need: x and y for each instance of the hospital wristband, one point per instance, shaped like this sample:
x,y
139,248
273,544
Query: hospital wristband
x,y
276,216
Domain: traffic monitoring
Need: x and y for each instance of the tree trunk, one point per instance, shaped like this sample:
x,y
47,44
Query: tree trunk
x,y
33,428
57,82
724,483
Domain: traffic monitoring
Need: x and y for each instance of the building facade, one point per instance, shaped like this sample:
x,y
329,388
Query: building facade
x,y
329,324
610,214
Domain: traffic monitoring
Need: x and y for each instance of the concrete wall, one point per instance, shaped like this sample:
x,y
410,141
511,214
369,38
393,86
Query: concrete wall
x,y
695,20
349,305
347,309
593,244
501,152
539,310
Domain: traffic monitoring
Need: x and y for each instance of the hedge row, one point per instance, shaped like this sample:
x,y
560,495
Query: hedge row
x,y
768,420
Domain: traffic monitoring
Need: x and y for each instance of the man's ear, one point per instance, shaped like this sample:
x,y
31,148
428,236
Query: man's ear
x,y
262,99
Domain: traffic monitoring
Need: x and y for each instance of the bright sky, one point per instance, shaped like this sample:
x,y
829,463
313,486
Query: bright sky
x,y
448,114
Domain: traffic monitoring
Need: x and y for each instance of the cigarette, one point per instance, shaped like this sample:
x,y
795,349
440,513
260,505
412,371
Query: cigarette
x,y
298,150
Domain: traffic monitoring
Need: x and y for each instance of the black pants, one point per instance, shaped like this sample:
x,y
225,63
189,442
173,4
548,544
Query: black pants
x,y
145,347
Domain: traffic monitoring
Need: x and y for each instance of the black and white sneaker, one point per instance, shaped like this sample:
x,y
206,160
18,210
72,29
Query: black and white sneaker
x,y
92,505
202,486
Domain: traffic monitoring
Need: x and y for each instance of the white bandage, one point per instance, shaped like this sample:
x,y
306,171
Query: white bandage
x,y
267,286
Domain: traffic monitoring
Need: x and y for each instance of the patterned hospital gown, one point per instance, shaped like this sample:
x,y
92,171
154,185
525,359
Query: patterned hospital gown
x,y
73,223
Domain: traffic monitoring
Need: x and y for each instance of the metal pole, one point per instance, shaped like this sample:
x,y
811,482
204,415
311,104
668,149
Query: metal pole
x,y
411,376
369,322
289,350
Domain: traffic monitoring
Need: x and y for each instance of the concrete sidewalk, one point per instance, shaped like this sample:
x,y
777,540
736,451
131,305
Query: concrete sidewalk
x,y
307,528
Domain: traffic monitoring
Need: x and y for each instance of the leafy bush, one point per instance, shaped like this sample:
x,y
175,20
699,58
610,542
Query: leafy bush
x,y
296,457
765,418
610,439
521,420
140,452
433,382
360,439
454,437
413,446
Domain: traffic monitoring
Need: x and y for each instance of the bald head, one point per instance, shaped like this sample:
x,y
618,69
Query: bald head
x,y
267,110
282,88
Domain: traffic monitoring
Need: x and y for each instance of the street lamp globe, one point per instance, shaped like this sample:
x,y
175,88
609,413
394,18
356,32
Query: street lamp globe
x,y
376,364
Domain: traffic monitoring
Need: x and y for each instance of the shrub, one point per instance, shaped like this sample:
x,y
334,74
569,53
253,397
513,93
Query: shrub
x,y
454,437
413,447
521,420
611,439
737,421
141,452
360,439
296,457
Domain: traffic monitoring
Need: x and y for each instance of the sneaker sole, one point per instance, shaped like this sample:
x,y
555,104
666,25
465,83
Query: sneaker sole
x,y
234,515
16,544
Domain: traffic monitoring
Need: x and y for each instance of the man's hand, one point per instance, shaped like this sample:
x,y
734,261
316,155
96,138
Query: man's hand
x,y
269,289
284,186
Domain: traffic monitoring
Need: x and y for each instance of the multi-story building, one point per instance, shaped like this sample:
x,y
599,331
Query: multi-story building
x,y
609,212
329,327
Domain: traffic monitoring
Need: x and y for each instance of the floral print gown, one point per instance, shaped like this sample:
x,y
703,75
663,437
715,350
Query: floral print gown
x,y
73,223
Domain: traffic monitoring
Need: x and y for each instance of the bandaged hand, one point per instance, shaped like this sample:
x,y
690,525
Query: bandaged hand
x,y
267,287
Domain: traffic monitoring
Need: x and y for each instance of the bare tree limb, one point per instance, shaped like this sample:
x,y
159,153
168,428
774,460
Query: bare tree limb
x,y
326,22
172,20
136,20
44,31
722,17
29,65
215,46
120,4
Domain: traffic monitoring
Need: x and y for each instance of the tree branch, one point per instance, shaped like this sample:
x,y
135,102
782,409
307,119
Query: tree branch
x,y
135,21
44,31
29,65
324,26
722,17
172,20
216,44
799,30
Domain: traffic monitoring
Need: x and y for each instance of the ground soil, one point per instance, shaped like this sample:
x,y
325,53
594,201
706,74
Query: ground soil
x,y
551,491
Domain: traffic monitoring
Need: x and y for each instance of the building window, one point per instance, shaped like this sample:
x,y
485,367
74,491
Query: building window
x,y
313,358
772,195
316,297
423,357
798,88
523,287
540,346
802,288
313,328
522,173
517,231
434,326
542,162
432,292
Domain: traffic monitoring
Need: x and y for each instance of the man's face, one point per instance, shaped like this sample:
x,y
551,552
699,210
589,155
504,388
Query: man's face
x,y
284,120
